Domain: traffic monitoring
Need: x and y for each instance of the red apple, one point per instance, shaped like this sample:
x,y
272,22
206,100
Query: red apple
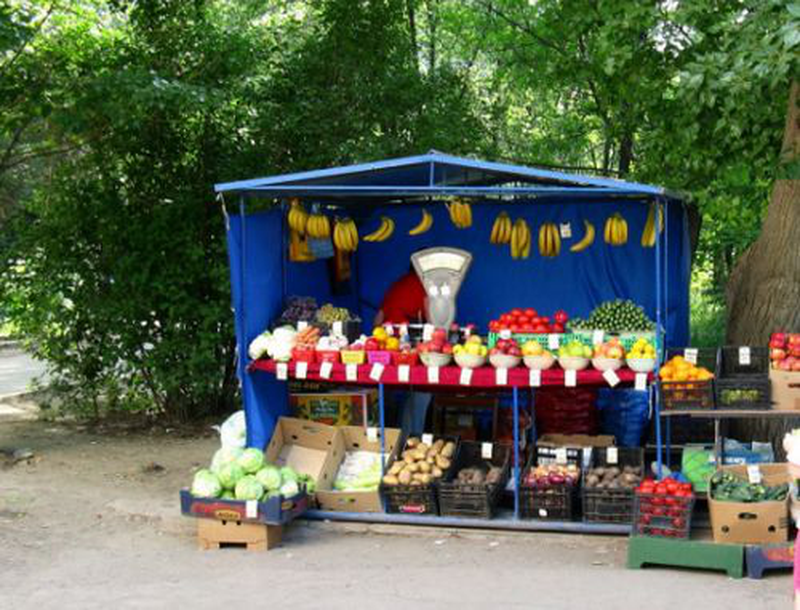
x,y
516,312
778,337
545,319
527,328
514,351
776,353
494,351
794,350
447,348
796,365
439,333
794,339
515,328
372,344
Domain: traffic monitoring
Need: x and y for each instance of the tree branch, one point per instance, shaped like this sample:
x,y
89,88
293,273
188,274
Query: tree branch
x,y
521,26
28,39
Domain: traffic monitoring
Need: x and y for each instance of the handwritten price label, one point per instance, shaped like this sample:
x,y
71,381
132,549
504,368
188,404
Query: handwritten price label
x,y
535,378
611,377
403,373
570,378
282,372
466,376
376,372
301,370
351,372
433,374
325,370
501,376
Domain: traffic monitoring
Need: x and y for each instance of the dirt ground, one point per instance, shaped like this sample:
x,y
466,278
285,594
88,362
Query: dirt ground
x,y
90,522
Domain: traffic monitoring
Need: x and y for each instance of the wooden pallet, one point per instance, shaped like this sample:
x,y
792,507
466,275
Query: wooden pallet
x,y
769,557
686,554
214,534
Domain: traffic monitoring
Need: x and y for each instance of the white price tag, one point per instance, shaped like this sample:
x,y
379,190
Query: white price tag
x,y
542,512
690,355
251,509
466,376
501,376
486,451
586,456
754,474
641,382
505,334
561,455
611,377
744,356
282,371
570,378
403,373
376,372
302,325
404,330
597,337
301,370
553,341
427,332
427,439
612,456
372,434
535,378
389,329
351,372
433,374
566,230
325,370
338,328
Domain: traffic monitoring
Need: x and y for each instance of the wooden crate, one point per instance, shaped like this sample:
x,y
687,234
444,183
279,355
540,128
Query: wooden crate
x,y
215,534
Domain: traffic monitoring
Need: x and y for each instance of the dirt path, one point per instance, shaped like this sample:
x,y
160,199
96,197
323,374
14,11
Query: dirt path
x,y
89,524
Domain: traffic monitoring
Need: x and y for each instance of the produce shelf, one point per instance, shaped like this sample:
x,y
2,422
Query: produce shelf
x,y
449,376
732,413
502,522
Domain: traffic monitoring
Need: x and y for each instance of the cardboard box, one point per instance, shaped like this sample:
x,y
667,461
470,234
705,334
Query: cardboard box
x,y
785,390
576,440
338,408
355,439
752,522
307,447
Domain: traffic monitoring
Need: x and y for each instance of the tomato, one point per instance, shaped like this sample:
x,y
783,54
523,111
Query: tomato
x,y
661,489
558,328
530,312
678,522
523,319
658,511
493,326
505,318
515,328
541,328
561,316
645,519
683,493
516,312
527,328
685,487
672,488
544,320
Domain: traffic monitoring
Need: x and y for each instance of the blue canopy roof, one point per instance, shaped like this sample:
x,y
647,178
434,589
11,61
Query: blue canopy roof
x,y
438,174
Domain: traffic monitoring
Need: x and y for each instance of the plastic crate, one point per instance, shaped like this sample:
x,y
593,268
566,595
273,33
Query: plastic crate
x,y
730,364
379,357
350,356
707,357
552,503
663,516
687,395
462,500
543,338
601,505
743,393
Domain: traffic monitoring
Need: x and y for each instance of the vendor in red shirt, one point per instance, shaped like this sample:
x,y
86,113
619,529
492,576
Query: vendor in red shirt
x,y
404,302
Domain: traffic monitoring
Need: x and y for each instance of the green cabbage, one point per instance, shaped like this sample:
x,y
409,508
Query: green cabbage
x,y
248,488
206,484
270,477
228,495
230,474
224,456
251,460
289,474
289,489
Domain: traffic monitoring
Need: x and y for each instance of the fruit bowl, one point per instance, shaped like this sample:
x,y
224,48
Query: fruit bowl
x,y
602,363
435,358
642,365
504,361
470,361
541,362
573,363
408,358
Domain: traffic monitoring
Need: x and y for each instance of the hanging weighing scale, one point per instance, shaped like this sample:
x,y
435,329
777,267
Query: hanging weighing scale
x,y
441,270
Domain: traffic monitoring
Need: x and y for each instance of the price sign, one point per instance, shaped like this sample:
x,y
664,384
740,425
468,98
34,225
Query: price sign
x,y
543,512
754,474
403,373
505,334
251,509
586,456
565,229
501,376
535,378
338,328
302,325
486,451
744,356
612,455
427,332
427,439
553,341
282,372
570,378
690,355
389,329
433,374
301,370
641,382
611,377
404,330
325,370
372,434
466,376
376,372
561,455
351,372
597,337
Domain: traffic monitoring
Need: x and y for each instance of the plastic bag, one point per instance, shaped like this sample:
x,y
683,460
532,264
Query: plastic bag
x,y
233,431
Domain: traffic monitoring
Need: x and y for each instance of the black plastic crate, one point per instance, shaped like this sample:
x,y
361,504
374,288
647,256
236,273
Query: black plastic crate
x,y
663,516
474,500
552,502
744,393
687,395
605,505
707,357
731,364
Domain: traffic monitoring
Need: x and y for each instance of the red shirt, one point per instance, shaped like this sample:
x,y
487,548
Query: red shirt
x,y
405,300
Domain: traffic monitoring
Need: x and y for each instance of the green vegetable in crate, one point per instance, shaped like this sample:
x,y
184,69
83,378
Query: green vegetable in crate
x,y
270,477
229,475
308,481
289,474
248,488
728,487
228,495
251,460
206,484
224,456
615,316
290,488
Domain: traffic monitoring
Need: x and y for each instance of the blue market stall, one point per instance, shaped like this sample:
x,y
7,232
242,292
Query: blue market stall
x,y
262,275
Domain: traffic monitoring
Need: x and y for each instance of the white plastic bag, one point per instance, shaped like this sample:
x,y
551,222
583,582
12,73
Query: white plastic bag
x,y
233,431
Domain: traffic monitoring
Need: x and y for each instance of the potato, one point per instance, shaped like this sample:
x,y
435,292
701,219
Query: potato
x,y
592,480
416,483
412,442
417,476
418,454
438,445
424,466
442,462
412,468
390,479
422,447
436,472
431,460
409,459
425,478
404,477
407,453
431,453
448,450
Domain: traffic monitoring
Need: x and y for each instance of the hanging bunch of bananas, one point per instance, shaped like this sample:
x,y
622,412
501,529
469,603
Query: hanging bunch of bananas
x,y
298,217
383,232
501,229
424,225
520,239
616,231
588,238
549,240
649,233
345,235
460,213
318,226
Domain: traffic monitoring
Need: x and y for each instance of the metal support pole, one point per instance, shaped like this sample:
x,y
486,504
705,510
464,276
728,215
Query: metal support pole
x,y
668,438
659,345
717,442
515,395
381,421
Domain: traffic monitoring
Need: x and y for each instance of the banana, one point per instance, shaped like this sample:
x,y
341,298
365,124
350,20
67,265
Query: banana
x,y
556,240
542,241
588,238
526,245
460,213
353,230
649,235
345,235
517,238
499,233
383,232
607,230
623,229
506,230
467,208
424,225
